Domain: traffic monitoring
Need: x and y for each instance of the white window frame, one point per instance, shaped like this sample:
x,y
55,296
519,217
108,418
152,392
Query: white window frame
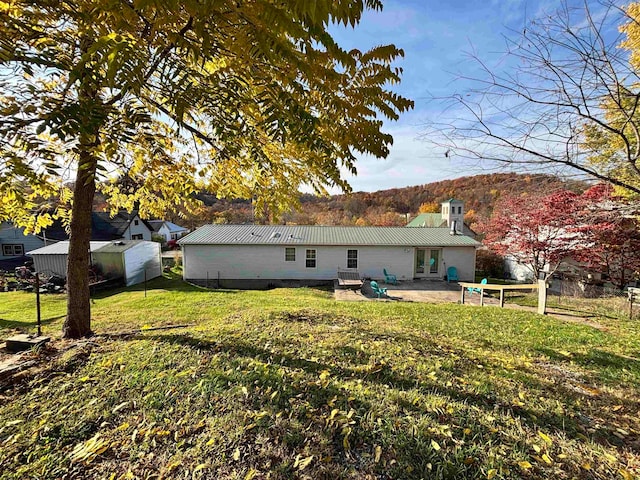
x,y
356,258
137,236
313,258
287,251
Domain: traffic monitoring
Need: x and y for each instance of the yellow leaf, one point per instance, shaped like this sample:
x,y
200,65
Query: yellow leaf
x,y
202,466
378,453
236,454
250,474
547,459
303,463
545,437
586,466
524,465
491,473
245,391
536,448
435,445
626,475
467,431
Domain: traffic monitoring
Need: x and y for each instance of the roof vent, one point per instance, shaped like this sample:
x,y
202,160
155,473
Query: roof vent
x,y
453,227
276,235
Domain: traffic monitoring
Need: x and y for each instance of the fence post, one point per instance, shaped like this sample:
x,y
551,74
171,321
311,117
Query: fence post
x,y
542,297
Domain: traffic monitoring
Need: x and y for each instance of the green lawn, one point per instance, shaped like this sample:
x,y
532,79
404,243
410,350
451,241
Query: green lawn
x,y
288,383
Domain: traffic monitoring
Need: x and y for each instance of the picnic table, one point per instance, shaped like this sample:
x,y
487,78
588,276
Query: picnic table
x,y
494,286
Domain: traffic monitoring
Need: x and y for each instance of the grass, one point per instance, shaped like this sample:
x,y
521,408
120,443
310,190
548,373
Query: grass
x,y
288,383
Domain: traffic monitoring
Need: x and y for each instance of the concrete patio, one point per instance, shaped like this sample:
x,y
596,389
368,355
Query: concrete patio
x,y
429,291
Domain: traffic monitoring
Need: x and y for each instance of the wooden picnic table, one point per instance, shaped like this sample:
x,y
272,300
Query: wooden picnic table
x,y
494,286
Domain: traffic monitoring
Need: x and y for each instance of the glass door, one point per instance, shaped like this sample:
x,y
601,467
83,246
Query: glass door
x,y
420,256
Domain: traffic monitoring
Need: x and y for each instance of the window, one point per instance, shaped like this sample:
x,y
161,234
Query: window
x,y
135,222
289,254
12,250
311,259
137,236
460,210
352,258
174,236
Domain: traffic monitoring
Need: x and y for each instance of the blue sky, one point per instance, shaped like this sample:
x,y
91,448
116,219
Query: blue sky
x,y
437,37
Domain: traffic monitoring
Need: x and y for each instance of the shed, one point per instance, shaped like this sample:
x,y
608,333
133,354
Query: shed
x,y
53,258
121,258
134,260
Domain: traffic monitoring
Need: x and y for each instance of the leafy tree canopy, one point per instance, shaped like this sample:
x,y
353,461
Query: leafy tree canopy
x,y
253,98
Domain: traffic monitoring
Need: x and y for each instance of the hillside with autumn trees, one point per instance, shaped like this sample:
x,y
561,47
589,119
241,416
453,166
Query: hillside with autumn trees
x,y
385,207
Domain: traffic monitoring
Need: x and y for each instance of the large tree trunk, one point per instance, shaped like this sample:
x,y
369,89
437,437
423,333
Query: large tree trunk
x,y
78,321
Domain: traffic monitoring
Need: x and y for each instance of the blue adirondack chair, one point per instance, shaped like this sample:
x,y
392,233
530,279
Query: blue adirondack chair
x,y
452,274
377,289
484,281
388,278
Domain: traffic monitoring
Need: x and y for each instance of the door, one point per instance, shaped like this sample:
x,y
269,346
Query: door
x,y
427,262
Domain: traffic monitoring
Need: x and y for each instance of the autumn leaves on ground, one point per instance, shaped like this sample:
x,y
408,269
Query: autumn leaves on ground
x,y
291,384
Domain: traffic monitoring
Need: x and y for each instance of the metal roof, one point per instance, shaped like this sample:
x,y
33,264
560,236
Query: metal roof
x,y
323,235
118,246
62,248
428,220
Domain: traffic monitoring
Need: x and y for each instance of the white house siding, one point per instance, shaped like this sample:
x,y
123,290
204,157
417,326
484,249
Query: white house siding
x,y
463,258
142,258
140,229
10,235
267,262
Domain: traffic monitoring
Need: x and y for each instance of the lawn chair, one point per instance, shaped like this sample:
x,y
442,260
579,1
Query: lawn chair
x,y
388,278
377,289
479,290
452,274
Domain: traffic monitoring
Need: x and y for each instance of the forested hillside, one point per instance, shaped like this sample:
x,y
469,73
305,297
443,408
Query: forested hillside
x,y
388,207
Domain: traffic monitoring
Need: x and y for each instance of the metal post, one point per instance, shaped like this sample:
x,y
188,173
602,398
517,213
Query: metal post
x,y
38,304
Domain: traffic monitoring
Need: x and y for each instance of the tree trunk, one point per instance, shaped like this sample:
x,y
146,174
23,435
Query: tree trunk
x,y
78,321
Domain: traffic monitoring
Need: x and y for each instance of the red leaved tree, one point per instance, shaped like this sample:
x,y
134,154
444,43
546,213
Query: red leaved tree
x,y
536,230
609,226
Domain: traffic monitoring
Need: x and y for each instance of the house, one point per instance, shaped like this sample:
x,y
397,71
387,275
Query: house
x,y
451,216
169,231
258,256
133,260
104,227
14,244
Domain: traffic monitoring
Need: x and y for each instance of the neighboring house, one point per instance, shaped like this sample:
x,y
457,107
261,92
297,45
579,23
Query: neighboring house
x,y
169,231
133,260
14,245
258,256
104,227
451,216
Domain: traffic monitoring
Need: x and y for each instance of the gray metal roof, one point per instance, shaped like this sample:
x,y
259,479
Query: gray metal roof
x,y
118,246
321,235
62,248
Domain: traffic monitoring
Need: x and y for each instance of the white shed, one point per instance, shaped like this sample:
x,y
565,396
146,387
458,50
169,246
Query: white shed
x,y
134,260
53,258
129,259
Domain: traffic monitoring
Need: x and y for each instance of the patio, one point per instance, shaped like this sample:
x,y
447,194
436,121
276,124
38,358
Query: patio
x,y
429,291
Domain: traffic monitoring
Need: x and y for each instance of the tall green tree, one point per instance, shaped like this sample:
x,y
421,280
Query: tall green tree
x,y
251,98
